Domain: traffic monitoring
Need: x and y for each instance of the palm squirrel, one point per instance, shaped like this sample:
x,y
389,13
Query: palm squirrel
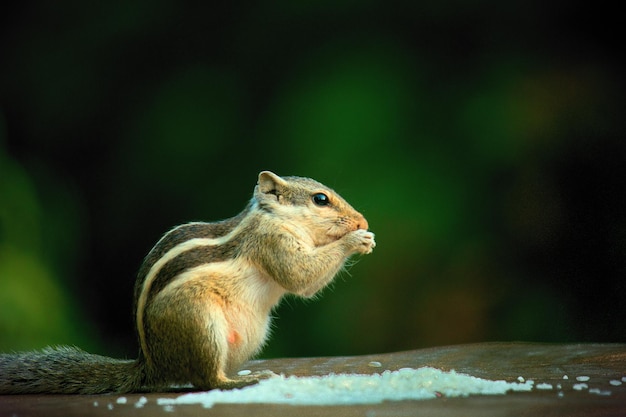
x,y
204,294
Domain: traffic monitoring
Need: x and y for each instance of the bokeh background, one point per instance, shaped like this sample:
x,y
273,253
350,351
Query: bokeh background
x,y
484,142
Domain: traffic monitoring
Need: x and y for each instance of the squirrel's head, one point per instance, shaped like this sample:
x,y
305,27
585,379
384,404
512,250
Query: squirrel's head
x,y
309,204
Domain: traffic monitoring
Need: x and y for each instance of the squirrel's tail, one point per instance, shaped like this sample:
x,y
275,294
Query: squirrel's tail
x,y
67,370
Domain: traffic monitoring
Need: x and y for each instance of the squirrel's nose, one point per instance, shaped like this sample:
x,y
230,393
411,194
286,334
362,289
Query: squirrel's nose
x,y
362,223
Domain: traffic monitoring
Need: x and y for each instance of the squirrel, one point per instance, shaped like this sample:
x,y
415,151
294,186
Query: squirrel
x,y
204,295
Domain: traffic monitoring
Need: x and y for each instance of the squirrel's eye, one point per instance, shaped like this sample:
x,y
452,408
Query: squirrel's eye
x,y
321,199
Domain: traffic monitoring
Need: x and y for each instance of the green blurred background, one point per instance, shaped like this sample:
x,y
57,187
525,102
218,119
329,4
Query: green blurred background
x,y
484,143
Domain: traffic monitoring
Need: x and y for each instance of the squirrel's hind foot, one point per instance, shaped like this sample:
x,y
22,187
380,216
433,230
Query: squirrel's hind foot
x,y
242,381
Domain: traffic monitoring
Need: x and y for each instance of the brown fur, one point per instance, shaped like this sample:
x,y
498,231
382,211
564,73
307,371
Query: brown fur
x,y
205,292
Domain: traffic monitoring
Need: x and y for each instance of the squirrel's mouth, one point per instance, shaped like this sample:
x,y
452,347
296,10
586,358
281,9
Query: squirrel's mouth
x,y
333,234
327,240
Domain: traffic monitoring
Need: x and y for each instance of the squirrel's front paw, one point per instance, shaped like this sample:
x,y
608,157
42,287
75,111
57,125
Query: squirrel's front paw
x,y
364,242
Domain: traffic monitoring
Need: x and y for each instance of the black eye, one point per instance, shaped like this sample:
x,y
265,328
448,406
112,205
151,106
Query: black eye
x,y
321,199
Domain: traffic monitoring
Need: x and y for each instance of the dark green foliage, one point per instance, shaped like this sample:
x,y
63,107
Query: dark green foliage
x,y
483,142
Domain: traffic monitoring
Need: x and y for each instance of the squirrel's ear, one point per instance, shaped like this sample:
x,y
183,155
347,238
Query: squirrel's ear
x,y
269,182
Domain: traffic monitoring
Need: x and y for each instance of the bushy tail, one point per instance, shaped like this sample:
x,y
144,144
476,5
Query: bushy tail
x,y
67,370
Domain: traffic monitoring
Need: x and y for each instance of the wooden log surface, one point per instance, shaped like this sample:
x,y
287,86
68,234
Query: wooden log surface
x,y
543,363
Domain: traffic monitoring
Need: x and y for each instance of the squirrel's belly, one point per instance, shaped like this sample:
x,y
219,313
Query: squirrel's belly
x,y
246,336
